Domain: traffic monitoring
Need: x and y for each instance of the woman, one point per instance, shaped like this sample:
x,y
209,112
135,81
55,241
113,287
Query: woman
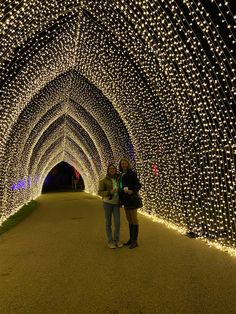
x,y
108,189
129,198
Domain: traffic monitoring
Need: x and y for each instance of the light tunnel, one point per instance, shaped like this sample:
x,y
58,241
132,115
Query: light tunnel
x,y
90,81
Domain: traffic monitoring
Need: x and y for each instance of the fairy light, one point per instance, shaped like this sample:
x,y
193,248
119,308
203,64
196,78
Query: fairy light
x,y
89,81
182,230
170,225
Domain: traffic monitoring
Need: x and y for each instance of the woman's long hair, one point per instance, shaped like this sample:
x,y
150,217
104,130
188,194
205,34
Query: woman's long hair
x,y
128,162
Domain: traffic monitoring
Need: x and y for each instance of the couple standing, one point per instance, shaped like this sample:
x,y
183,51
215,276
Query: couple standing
x,y
121,190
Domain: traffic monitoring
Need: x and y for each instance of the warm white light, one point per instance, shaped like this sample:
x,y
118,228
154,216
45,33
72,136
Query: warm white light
x,y
90,81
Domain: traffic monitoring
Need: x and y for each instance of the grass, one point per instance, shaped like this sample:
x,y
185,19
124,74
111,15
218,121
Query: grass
x,y
18,216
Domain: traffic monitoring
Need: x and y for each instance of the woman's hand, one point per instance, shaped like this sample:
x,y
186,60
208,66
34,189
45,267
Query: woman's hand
x,y
114,191
127,191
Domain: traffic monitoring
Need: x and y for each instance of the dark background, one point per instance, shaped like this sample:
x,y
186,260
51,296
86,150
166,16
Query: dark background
x,y
60,178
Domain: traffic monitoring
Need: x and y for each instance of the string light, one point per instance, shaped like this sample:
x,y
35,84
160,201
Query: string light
x,y
89,81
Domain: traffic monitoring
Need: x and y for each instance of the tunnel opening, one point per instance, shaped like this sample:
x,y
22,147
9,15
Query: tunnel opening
x,y
63,178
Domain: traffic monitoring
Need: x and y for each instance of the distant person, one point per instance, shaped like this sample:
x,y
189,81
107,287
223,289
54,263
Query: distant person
x,y
108,189
130,199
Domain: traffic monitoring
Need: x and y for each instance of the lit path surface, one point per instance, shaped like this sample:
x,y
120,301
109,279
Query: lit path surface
x,y
56,261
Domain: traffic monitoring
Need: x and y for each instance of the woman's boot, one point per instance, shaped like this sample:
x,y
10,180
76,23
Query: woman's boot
x,y
135,237
130,235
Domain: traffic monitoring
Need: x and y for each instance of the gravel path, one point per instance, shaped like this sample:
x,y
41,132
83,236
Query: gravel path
x,y
56,262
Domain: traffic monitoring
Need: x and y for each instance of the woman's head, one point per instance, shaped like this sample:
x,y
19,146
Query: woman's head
x,y
124,164
111,170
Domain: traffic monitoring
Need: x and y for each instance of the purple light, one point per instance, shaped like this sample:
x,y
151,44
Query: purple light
x,y
24,184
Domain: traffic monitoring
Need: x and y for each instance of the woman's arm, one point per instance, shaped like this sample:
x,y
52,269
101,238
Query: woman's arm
x,y
136,185
102,190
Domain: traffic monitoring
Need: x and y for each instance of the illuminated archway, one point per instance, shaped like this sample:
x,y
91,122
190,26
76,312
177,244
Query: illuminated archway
x,y
153,80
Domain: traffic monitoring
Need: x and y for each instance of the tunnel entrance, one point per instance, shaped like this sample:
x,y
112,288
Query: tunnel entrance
x,y
63,178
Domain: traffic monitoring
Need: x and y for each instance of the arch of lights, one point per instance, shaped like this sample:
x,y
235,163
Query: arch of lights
x,y
87,81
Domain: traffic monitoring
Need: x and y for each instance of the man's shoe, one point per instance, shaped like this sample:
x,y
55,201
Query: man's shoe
x,y
111,246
